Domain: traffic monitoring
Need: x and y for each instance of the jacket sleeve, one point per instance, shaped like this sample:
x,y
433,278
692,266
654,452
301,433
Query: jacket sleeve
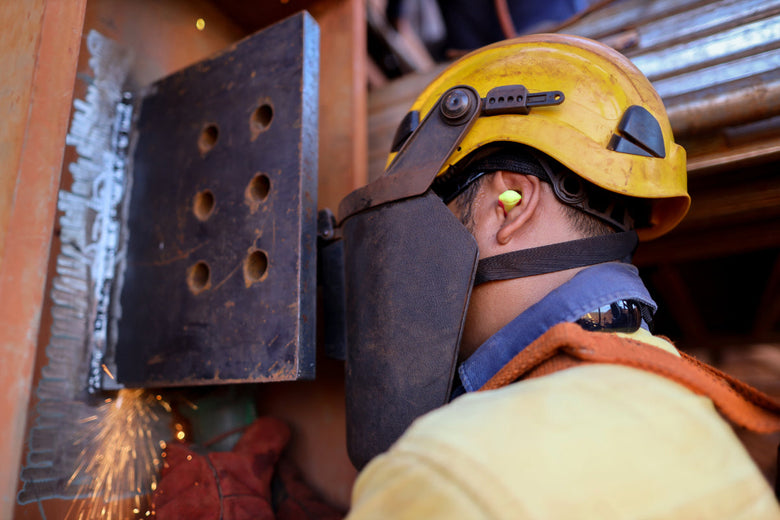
x,y
597,441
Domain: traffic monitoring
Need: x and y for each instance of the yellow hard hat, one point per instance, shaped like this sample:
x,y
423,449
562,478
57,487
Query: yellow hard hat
x,y
611,127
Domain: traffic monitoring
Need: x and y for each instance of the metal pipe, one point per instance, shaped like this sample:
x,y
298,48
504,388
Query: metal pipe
x,y
715,48
741,101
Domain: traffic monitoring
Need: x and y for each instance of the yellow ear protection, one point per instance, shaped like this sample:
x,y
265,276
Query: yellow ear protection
x,y
508,200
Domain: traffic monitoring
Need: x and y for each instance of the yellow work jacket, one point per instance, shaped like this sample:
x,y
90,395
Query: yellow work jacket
x,y
590,442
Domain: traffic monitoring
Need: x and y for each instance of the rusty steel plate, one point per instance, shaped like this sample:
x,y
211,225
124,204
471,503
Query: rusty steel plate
x,y
220,277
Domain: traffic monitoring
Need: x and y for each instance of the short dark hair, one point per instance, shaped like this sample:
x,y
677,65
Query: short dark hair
x,y
583,223
464,201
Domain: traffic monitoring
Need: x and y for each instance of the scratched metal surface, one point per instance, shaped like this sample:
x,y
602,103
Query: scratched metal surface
x,y
221,248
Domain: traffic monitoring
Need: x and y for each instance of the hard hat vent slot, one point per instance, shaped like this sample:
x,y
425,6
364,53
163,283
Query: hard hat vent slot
x,y
409,124
639,134
569,188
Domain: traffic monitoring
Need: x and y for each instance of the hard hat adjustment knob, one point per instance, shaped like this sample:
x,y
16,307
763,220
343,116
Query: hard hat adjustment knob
x,y
456,104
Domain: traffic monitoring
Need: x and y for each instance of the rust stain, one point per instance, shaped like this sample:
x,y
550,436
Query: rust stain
x,y
229,304
157,359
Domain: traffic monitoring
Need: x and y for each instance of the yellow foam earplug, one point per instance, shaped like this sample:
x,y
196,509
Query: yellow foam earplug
x,y
509,199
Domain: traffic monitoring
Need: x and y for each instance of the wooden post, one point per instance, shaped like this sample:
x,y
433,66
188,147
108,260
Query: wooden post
x,y
39,48
343,121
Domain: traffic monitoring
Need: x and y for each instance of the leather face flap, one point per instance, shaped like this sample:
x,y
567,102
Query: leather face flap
x,y
409,268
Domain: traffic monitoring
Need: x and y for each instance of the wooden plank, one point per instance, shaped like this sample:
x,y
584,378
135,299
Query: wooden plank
x,y
19,45
769,317
731,158
162,35
677,296
252,16
343,121
722,205
47,87
709,243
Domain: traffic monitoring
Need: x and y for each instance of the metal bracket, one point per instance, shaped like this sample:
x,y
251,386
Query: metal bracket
x,y
331,278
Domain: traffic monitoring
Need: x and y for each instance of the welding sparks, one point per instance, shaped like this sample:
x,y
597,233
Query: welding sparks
x,y
120,457
107,371
200,24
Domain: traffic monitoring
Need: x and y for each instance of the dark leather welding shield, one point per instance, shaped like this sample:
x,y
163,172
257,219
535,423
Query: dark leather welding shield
x,y
409,266
409,269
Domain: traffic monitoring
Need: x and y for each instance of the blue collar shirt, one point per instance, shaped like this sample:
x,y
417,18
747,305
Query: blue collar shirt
x,y
588,290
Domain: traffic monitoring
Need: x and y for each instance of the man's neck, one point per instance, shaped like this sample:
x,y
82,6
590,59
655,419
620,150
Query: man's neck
x,y
493,305
591,289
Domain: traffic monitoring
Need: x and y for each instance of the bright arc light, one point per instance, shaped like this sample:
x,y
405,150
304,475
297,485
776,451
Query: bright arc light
x,y
200,24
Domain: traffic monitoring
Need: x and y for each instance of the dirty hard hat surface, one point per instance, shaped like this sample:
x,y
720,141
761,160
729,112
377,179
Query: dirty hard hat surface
x,y
611,129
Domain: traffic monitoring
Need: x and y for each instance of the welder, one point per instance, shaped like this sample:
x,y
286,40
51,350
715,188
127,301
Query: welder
x,y
501,317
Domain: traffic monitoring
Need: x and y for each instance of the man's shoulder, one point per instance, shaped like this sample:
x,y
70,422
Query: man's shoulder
x,y
591,441
581,398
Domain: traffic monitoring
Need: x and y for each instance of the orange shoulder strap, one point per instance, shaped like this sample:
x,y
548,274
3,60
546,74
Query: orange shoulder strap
x,y
567,345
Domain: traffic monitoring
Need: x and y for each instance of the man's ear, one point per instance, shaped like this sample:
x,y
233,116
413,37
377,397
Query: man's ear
x,y
529,187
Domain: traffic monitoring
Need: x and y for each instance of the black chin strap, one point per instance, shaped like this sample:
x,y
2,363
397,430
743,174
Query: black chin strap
x,y
557,257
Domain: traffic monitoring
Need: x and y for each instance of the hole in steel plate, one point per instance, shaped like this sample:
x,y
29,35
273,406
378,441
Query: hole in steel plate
x,y
262,117
203,205
199,277
255,267
258,188
208,138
